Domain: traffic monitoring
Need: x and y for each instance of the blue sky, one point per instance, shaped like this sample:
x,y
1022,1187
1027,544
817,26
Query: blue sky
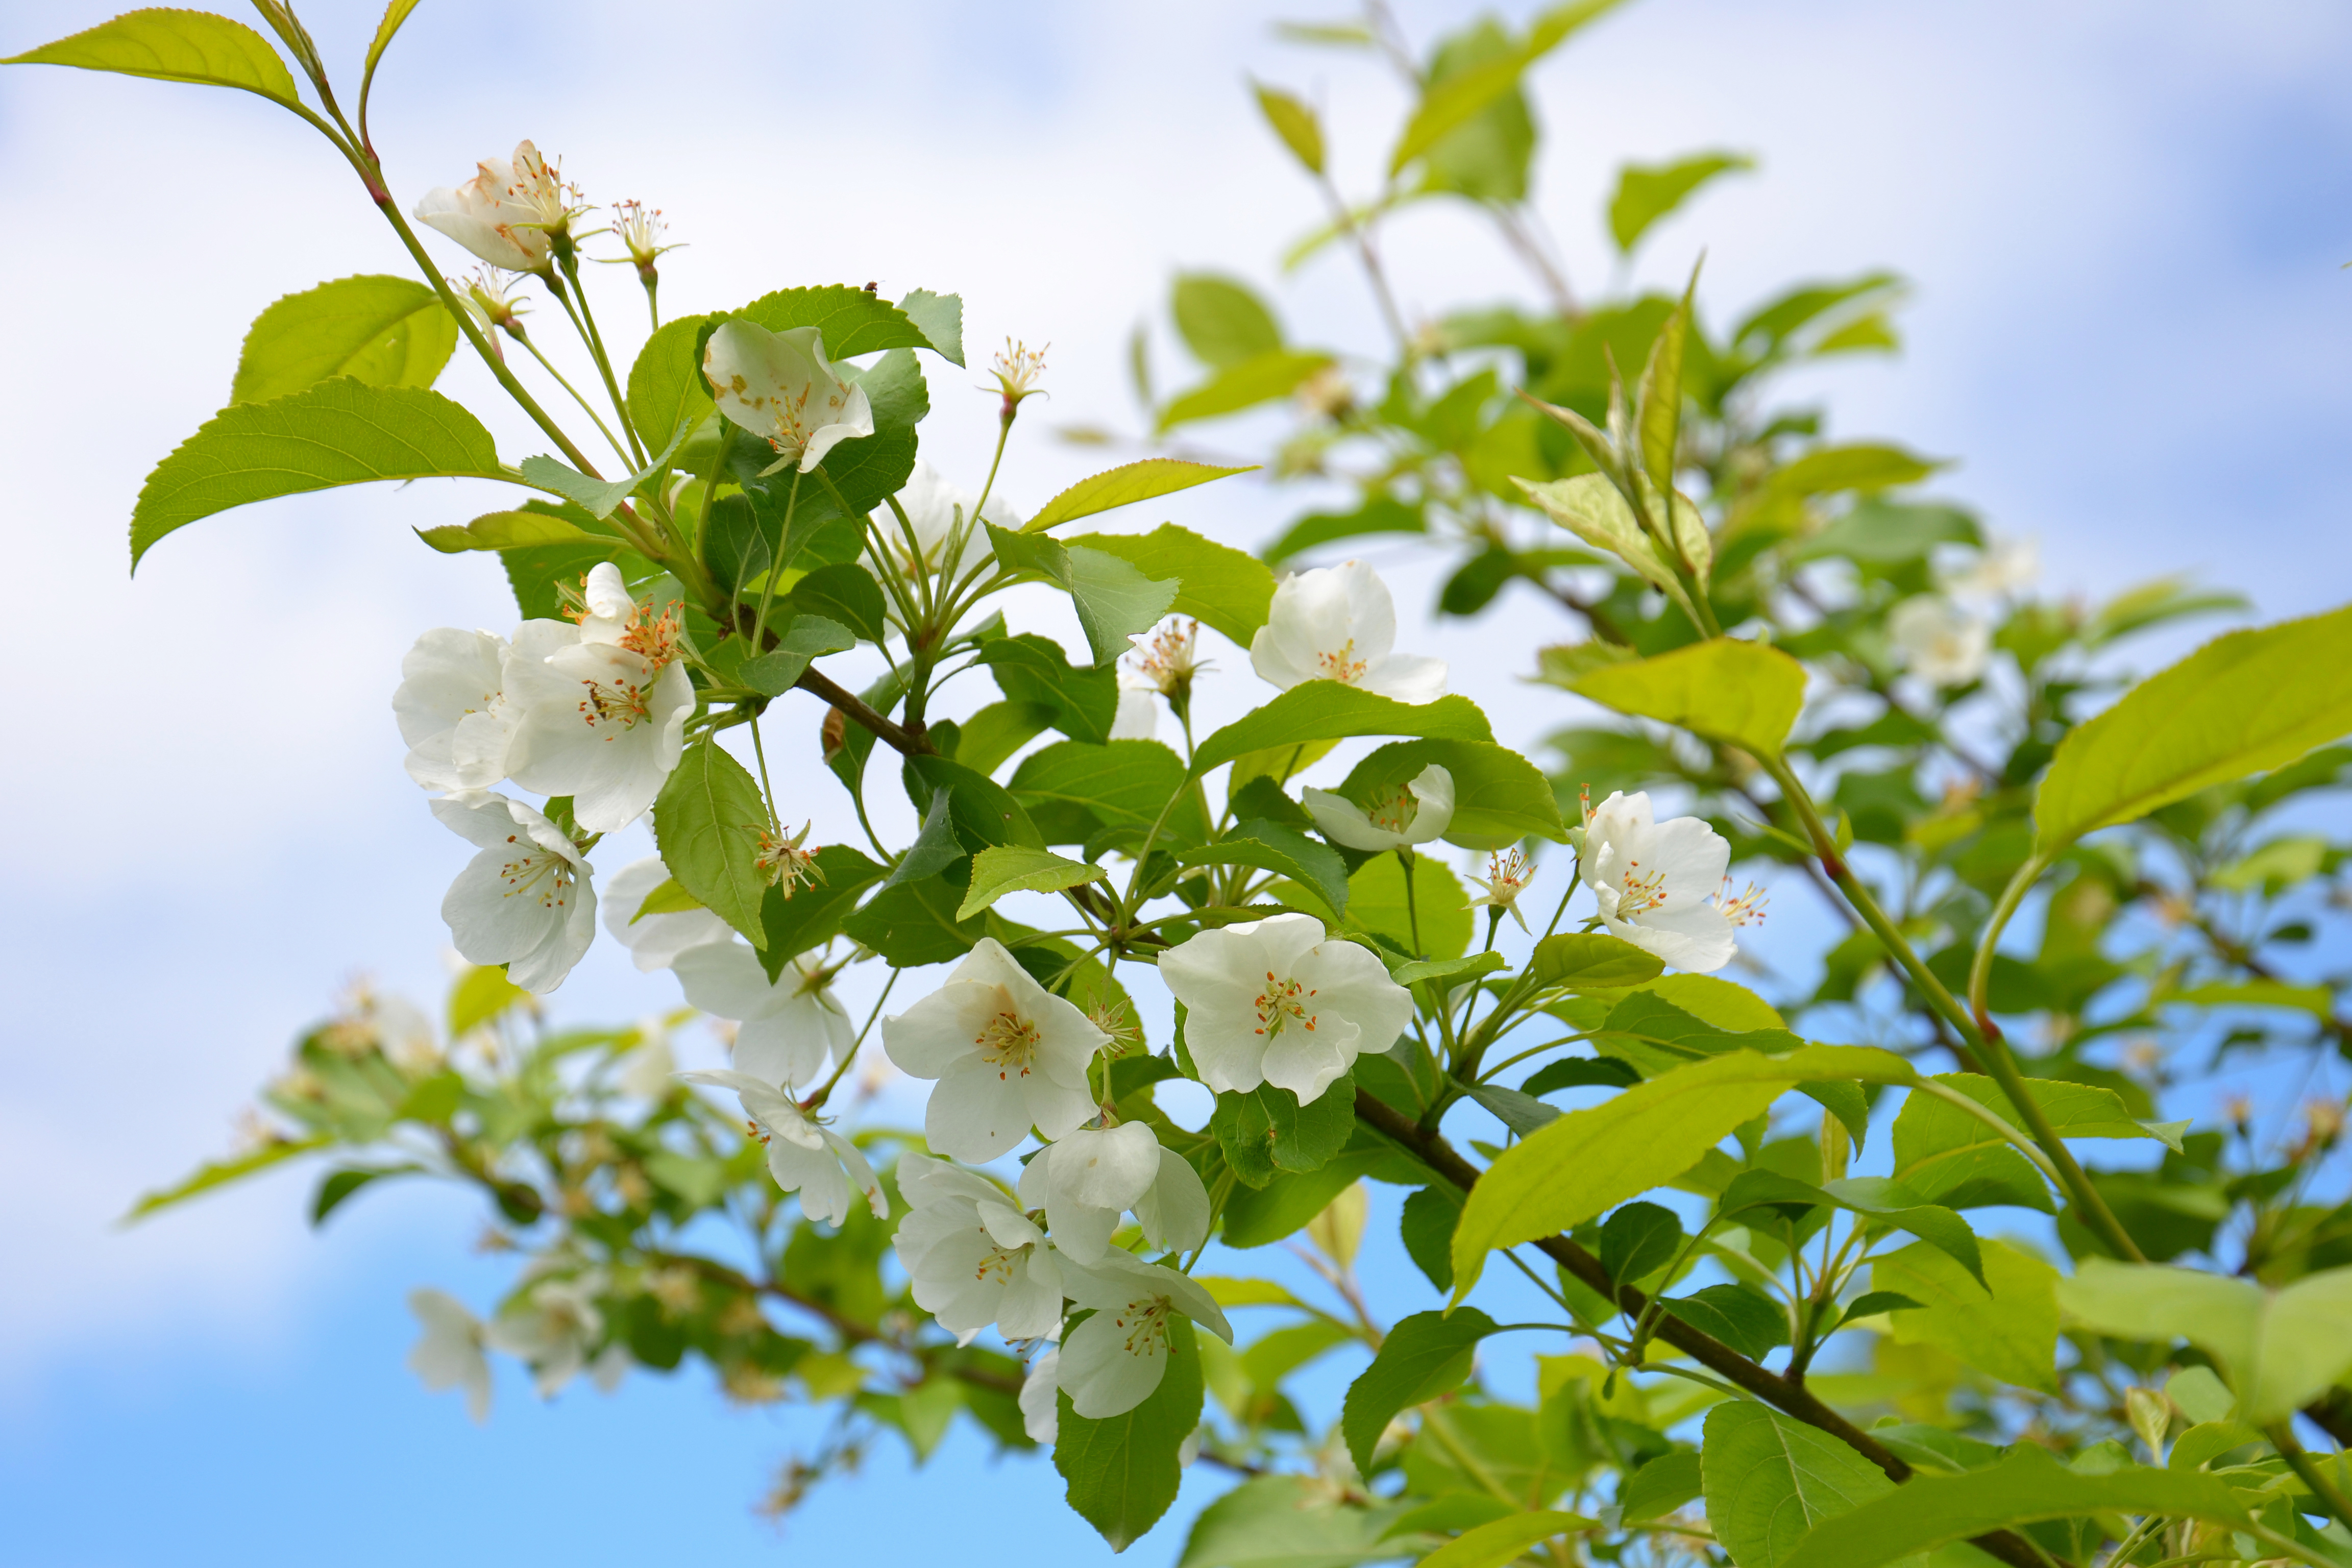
x,y
2130,326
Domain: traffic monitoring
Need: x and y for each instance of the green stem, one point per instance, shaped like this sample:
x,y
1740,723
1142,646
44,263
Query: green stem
x,y
2283,1438
586,321
585,406
1981,970
775,565
1989,1048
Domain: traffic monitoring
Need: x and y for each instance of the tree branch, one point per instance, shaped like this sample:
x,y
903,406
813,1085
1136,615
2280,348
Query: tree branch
x,y
1790,1398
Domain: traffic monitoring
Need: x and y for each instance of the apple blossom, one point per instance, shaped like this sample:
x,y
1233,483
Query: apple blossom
x,y
973,1259
1008,1055
2001,567
803,1155
1338,623
1137,716
604,719
526,901
1653,882
1941,642
788,1029
780,387
1112,1362
507,213
1399,815
1166,660
654,941
937,510
1041,1412
552,1326
452,703
1508,875
449,1355
1321,1003
1086,1181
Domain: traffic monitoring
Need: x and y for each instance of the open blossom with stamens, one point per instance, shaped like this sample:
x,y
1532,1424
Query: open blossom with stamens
x,y
1112,1362
1413,812
484,296
525,901
1086,1181
453,706
1748,908
1016,370
506,212
639,229
973,1257
785,1030
782,389
1508,875
1338,623
1008,1055
1655,882
654,941
782,861
605,717
1167,659
1274,1001
803,1155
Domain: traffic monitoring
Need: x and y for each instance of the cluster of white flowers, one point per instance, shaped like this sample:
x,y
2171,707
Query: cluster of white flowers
x,y
1938,637
596,712
550,1325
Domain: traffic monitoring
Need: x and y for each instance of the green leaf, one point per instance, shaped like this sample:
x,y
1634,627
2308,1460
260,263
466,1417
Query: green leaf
x,y
1126,785
669,899
1648,192
384,331
1742,1318
1580,1073
799,920
1266,1129
1768,1480
2009,1332
1500,797
914,923
480,993
1424,1356
1874,1197
1452,102
708,822
2244,704
1243,385
983,812
1448,971
1376,903
1113,600
1222,320
1328,711
1949,1157
666,384
1259,1216
843,591
1032,670
1661,1485
2280,1349
992,735
1638,1240
1122,1473
220,1172
850,320
1287,1522
1590,507
1522,1113
1866,466
1270,846
940,317
1592,959
508,531
1501,1541
174,46
599,497
340,432
1590,1161
395,14
341,1186
1745,693
1427,1230
774,672
1295,121
1125,486
2026,1487
1217,586
1016,868
935,848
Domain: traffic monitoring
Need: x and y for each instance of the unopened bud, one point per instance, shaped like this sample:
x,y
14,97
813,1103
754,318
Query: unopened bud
x,y
834,733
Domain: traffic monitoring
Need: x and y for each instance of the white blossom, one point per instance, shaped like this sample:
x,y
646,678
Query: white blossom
x,y
2003,567
1040,1413
552,1326
452,702
526,901
1086,1181
1137,718
506,211
803,1155
1338,623
780,387
450,1355
1941,642
1399,815
973,1259
654,941
604,718
1655,882
787,1028
1274,1001
1508,872
1112,1362
1008,1055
